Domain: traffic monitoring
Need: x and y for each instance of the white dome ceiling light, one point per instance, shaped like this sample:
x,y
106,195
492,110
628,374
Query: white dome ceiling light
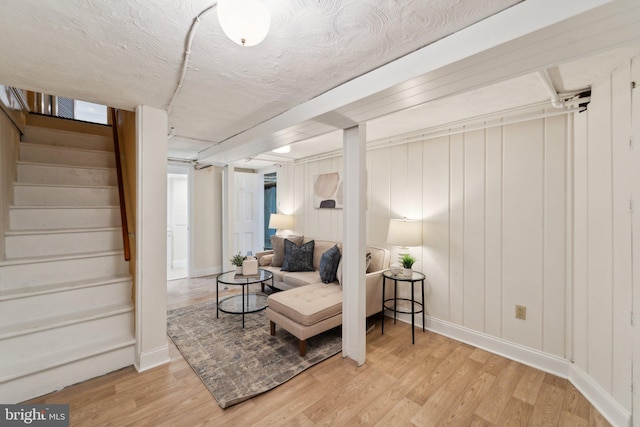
x,y
246,22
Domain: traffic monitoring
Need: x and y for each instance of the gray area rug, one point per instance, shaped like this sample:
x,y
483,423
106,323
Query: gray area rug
x,y
236,364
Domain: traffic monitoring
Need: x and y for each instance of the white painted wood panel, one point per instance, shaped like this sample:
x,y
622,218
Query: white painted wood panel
x,y
580,239
414,181
399,181
415,195
474,230
553,315
379,189
493,232
523,232
599,249
299,203
312,214
398,192
622,251
436,226
484,209
325,218
456,230
635,192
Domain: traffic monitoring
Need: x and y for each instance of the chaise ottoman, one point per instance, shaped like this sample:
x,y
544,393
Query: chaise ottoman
x,y
306,311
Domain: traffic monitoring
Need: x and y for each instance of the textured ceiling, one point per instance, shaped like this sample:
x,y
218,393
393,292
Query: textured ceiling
x,y
130,53
125,54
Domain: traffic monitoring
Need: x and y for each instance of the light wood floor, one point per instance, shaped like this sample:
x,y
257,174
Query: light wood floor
x,y
435,382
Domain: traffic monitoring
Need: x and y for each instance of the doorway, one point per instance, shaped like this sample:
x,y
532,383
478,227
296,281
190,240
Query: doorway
x,y
177,224
270,205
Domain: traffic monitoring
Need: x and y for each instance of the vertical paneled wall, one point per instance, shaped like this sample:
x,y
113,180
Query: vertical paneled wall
x,y
603,180
492,204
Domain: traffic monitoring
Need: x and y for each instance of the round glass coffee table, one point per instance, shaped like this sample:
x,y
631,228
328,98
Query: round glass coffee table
x,y
247,302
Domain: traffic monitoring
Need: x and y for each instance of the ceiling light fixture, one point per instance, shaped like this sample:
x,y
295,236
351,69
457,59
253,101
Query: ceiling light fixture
x,y
282,150
246,22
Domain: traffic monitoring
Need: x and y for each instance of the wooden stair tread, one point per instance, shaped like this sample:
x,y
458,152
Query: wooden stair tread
x,y
65,148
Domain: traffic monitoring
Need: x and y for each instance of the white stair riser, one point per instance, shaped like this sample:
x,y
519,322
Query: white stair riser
x,y
46,381
56,175
67,139
63,318
32,245
33,346
62,303
50,219
15,276
31,195
38,153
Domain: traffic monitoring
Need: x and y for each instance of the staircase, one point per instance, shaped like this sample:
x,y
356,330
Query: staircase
x,y
65,290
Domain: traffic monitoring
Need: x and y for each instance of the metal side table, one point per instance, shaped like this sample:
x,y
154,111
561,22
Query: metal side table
x,y
415,306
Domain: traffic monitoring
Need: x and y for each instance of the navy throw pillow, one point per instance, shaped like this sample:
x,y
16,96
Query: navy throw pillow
x,y
298,258
329,264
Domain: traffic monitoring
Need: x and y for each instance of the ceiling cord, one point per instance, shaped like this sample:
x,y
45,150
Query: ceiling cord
x,y
187,52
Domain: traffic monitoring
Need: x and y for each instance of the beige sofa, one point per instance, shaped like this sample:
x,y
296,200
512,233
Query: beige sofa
x,y
307,306
284,280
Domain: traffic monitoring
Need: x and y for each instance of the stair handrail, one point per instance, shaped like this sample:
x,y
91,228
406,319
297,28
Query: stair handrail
x,y
123,207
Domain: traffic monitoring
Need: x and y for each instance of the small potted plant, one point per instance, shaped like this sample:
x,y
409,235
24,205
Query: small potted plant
x,y
237,260
407,261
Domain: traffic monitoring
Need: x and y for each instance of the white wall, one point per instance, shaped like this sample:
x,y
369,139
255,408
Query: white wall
x,y
295,196
151,238
9,140
493,206
604,185
207,217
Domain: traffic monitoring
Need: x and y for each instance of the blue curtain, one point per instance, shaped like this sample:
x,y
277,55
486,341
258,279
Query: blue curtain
x,y
269,208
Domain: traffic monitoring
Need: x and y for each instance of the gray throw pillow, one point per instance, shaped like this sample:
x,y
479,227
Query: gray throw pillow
x,y
298,258
329,264
277,243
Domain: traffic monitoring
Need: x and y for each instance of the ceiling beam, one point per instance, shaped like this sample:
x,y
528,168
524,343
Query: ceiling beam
x,y
516,41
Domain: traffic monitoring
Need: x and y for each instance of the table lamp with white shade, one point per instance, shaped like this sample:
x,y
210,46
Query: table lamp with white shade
x,y
281,222
404,233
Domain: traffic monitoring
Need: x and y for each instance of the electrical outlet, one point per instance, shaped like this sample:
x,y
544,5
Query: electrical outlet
x,y
521,312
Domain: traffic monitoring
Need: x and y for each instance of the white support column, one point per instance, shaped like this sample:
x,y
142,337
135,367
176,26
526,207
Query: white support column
x,y
354,245
228,216
151,238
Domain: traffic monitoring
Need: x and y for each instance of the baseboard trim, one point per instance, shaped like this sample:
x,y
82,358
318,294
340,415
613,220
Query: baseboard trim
x,y
209,271
601,400
592,391
528,356
180,264
152,359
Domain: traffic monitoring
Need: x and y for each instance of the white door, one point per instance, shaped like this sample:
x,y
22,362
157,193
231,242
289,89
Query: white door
x,y
247,213
177,226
